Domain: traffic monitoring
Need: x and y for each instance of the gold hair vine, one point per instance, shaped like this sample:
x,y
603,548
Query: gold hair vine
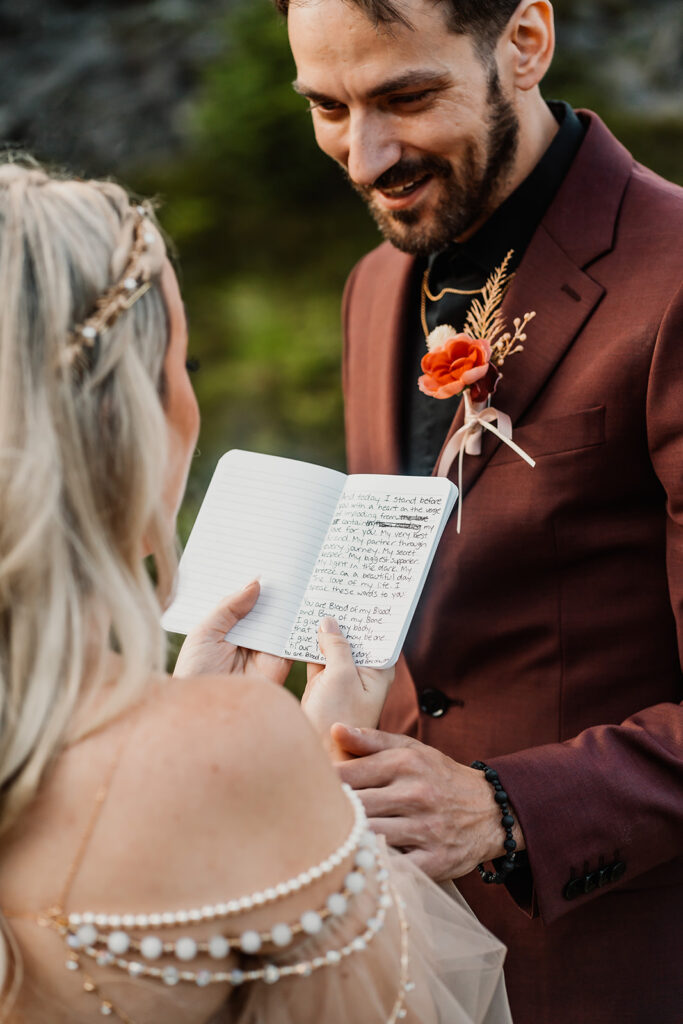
x,y
127,303
132,285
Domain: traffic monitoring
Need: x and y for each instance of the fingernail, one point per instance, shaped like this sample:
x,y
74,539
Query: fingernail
x,y
329,625
251,584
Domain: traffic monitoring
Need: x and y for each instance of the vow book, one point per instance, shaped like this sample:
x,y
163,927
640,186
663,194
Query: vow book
x,y
357,548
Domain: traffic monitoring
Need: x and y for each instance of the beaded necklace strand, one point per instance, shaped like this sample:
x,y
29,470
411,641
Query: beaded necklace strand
x,y
106,939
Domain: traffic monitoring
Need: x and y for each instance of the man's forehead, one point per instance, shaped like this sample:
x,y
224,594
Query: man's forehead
x,y
334,41
381,14
413,16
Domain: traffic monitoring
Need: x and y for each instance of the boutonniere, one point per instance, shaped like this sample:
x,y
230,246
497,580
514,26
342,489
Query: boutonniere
x,y
469,362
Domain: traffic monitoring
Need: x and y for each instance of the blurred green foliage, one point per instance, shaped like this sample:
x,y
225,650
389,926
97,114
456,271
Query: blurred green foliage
x,y
266,228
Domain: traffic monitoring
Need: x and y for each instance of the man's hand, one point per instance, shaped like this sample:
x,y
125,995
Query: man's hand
x,y
338,690
207,652
440,813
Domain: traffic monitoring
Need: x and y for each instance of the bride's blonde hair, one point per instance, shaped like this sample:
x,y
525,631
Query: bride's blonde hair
x,y
81,477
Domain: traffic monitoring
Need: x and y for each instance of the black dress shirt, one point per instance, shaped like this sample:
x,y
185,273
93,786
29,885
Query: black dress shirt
x,y
467,265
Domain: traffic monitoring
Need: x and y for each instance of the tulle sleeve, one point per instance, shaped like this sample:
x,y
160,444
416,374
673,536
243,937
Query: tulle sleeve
x,y
431,962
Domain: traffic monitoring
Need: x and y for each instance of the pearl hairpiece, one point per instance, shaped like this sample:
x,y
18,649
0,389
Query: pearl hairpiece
x,y
133,284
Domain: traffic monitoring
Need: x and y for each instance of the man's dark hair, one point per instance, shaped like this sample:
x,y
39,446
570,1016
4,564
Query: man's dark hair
x,y
484,20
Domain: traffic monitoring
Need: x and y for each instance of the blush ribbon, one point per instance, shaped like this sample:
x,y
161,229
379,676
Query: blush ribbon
x,y
468,439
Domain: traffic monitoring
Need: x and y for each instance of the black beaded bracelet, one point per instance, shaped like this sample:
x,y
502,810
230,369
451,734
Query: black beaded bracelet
x,y
507,821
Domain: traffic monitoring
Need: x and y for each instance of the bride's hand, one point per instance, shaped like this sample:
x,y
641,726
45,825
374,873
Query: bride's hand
x,y
207,652
338,691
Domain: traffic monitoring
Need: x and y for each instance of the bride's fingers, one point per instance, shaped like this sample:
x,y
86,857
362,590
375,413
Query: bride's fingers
x,y
378,678
229,612
275,668
335,647
313,669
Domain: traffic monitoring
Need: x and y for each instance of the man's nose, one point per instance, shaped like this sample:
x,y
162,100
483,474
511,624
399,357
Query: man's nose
x,y
373,149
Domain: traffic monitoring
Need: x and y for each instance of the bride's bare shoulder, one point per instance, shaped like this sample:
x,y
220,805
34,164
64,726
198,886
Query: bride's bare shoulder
x,y
218,724
236,738
224,783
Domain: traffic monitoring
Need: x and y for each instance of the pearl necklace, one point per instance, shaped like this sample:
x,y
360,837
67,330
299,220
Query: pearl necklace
x,y
186,949
270,973
100,937
106,947
244,903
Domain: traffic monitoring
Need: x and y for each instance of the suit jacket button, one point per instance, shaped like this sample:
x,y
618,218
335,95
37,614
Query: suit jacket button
x,y
604,876
573,888
591,881
434,703
617,871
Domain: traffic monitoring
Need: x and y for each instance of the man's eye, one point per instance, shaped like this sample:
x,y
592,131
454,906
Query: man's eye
x,y
192,365
326,106
406,98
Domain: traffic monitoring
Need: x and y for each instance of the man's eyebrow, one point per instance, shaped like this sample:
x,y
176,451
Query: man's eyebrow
x,y
420,76
409,79
310,94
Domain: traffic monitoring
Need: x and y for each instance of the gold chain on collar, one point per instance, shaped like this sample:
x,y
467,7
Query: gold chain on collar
x,y
426,294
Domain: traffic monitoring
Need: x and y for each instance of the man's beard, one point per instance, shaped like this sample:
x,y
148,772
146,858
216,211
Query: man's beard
x,y
469,194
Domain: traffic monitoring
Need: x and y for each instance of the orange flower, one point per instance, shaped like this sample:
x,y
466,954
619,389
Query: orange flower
x,y
457,364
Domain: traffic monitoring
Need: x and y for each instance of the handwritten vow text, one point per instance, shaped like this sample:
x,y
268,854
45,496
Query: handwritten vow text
x,y
365,577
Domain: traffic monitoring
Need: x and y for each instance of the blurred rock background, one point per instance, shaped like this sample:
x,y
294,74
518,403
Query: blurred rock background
x,y
103,84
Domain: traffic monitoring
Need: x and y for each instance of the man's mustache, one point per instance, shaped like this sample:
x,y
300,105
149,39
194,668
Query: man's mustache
x,y
405,171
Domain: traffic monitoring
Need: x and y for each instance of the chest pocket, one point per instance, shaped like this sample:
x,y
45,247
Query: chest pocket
x,y
583,429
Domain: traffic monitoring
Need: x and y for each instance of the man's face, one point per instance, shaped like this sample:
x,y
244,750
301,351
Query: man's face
x,y
418,122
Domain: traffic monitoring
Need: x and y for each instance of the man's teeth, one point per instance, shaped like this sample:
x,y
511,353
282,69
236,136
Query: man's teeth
x,y
399,190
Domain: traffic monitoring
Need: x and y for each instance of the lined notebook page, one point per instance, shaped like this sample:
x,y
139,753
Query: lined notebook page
x,y
373,565
262,516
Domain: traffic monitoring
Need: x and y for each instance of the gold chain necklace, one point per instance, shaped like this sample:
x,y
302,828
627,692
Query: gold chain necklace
x,y
426,294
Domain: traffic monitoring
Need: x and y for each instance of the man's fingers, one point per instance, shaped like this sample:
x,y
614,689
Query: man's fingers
x,y
383,802
362,742
398,832
427,863
371,772
229,612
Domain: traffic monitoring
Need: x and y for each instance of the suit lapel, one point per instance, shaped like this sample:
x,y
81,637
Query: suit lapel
x,y
385,332
578,227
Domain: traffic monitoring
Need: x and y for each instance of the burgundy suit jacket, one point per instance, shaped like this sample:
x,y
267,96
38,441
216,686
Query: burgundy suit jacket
x,y
554,621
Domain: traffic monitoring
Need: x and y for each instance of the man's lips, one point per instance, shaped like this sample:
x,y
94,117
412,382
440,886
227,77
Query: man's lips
x,y
403,194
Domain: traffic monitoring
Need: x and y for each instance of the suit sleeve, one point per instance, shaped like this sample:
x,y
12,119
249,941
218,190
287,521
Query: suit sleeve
x,y
601,810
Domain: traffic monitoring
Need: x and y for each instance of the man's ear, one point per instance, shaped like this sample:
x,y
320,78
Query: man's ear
x,y
530,42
